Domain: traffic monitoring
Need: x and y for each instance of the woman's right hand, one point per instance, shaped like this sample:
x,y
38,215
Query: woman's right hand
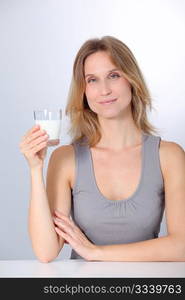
x,y
34,146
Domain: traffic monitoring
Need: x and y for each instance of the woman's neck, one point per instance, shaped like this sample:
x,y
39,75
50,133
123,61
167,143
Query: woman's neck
x,y
119,134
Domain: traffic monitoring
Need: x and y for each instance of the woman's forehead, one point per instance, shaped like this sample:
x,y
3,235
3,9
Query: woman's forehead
x,y
99,62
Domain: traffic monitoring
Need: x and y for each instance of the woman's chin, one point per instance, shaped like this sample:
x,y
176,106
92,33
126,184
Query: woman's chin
x,y
110,115
114,112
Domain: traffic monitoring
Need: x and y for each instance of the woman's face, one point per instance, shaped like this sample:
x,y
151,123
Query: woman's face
x,y
108,93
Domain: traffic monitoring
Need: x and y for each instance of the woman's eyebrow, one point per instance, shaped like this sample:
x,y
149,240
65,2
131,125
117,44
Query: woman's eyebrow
x,y
107,72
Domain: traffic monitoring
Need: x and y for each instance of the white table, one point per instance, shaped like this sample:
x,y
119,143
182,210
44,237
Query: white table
x,y
80,268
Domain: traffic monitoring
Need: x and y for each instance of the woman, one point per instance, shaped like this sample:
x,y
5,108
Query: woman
x,y
115,177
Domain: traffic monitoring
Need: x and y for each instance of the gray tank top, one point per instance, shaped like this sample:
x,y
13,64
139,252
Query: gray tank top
x,y
106,221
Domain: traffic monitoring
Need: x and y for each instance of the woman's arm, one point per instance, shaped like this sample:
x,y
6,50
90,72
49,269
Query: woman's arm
x,y
45,241
166,248
172,246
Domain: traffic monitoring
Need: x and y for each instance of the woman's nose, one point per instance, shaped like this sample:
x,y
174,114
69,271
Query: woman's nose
x,y
105,88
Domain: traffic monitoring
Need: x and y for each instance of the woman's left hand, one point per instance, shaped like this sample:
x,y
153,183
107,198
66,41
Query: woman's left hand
x,y
67,229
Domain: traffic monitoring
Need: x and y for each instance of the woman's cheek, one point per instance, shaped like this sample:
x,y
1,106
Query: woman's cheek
x,y
92,105
91,96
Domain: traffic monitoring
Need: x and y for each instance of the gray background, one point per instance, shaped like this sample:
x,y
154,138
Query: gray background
x,y
39,40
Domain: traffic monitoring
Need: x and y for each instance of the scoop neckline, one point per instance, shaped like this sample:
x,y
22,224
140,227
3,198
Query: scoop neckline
x,y
139,183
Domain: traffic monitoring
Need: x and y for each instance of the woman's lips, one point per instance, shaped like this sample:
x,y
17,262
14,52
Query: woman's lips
x,y
108,101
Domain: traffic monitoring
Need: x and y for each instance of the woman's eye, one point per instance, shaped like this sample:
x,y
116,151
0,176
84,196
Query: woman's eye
x,y
114,75
91,80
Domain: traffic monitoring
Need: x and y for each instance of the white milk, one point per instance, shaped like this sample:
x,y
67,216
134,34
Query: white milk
x,y
52,127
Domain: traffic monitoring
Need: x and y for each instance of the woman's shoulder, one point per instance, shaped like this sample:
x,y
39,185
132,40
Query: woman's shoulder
x,y
171,154
171,148
63,155
63,148
63,161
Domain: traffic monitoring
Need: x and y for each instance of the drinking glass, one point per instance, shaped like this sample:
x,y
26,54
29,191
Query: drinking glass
x,y
50,121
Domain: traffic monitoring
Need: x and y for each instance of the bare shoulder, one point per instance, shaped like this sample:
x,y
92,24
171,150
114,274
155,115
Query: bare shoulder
x,y
63,159
171,155
64,152
171,149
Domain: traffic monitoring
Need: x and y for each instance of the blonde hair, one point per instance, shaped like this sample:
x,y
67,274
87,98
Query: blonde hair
x,y
83,121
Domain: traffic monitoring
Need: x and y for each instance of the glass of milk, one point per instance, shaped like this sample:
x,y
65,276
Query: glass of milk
x,y
50,121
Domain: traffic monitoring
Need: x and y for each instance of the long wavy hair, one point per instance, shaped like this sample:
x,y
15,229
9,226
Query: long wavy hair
x,y
83,121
